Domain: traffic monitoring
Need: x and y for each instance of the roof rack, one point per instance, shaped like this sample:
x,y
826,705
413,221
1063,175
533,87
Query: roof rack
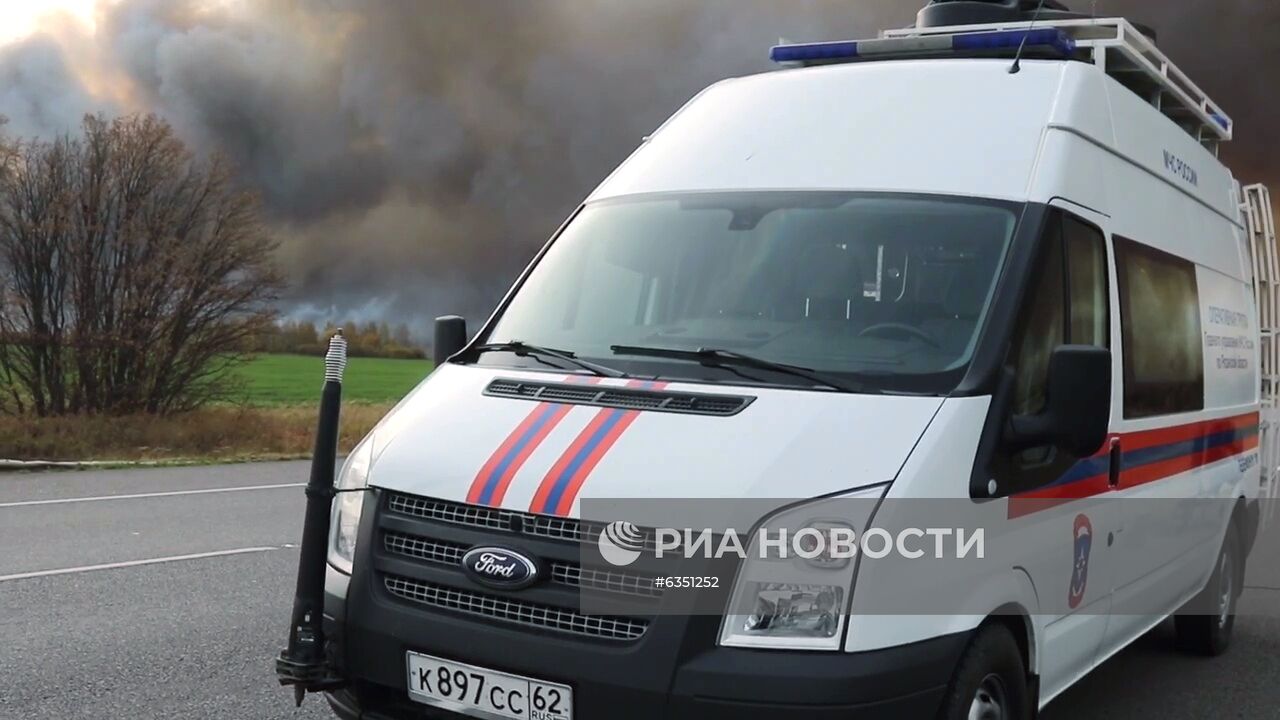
x,y
1124,53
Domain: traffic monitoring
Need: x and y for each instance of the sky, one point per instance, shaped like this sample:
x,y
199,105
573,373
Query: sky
x,y
19,18
412,155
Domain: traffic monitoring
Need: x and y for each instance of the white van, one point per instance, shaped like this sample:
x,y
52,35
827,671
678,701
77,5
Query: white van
x,y
901,268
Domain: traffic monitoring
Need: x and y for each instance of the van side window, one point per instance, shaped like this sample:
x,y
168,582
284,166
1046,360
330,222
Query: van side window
x,y
1087,265
1041,328
1067,305
1160,325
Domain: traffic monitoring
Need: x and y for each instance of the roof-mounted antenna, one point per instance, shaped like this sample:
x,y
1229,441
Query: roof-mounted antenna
x,y
1016,67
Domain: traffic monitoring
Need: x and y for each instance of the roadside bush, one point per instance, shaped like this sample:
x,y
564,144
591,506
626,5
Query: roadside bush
x,y
363,340
131,272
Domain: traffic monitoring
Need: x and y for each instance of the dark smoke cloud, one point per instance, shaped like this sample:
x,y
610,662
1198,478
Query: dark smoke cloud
x,y
412,155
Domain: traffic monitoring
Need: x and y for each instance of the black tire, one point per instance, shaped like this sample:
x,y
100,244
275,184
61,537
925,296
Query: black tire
x,y
991,677
1206,625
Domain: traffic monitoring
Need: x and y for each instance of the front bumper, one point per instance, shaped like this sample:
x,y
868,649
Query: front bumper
x,y
673,670
707,684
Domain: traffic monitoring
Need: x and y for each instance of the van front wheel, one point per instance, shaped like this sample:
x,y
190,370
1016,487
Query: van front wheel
x,y
1207,630
991,680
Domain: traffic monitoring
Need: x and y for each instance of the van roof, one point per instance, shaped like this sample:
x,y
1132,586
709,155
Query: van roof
x,y
1115,45
1126,54
946,126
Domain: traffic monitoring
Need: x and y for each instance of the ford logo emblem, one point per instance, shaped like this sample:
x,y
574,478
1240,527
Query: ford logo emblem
x,y
500,568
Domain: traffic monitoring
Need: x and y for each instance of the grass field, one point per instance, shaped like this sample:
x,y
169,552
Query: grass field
x,y
210,434
272,415
275,380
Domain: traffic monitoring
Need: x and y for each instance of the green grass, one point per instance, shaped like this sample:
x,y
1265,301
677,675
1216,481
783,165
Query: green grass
x,y
273,380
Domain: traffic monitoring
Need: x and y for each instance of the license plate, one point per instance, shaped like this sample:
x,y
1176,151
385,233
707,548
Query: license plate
x,y
485,693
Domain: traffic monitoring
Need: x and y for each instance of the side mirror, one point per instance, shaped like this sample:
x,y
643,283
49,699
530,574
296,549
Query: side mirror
x,y
1078,407
450,338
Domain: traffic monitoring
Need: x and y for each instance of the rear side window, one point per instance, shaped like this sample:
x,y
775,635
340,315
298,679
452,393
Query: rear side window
x,y
1160,325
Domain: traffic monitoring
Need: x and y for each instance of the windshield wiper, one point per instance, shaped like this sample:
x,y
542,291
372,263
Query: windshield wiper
x,y
524,349
715,357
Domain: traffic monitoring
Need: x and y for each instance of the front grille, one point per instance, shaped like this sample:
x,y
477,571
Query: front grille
x,y
426,531
423,549
469,515
606,580
617,397
511,521
515,611
564,573
559,528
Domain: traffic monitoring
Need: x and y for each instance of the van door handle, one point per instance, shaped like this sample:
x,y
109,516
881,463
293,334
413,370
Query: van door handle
x,y
1113,473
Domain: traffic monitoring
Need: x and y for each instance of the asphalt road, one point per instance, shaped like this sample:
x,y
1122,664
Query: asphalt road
x,y
118,635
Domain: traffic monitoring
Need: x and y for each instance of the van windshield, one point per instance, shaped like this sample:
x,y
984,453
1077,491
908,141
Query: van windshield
x,y
887,291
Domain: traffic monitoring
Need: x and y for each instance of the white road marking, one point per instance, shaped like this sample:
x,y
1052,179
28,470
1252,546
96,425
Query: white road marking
x,y
135,496
135,563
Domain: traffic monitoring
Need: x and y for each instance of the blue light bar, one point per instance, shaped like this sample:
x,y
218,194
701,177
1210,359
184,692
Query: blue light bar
x,y
1012,39
925,45
814,51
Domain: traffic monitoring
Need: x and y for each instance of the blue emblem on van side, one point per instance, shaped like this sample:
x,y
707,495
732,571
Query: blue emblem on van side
x,y
1082,532
500,567
1181,169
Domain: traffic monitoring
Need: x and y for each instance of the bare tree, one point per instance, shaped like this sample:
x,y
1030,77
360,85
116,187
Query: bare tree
x,y
9,385
136,271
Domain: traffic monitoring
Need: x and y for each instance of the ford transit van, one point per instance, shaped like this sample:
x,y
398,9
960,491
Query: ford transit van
x,y
992,263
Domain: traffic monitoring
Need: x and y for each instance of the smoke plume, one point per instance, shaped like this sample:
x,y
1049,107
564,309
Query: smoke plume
x,y
413,155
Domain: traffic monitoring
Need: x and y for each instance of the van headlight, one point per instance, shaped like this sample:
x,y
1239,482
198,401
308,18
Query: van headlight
x,y
347,506
795,596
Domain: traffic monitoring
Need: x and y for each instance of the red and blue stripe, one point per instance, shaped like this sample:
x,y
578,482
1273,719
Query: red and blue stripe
x,y
492,482
1146,456
562,484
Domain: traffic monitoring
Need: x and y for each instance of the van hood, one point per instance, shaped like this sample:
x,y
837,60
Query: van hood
x,y
450,440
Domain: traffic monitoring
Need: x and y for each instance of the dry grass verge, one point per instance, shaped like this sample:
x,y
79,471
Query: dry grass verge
x,y
212,434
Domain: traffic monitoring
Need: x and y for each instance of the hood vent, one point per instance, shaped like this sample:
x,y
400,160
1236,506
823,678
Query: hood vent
x,y
617,397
